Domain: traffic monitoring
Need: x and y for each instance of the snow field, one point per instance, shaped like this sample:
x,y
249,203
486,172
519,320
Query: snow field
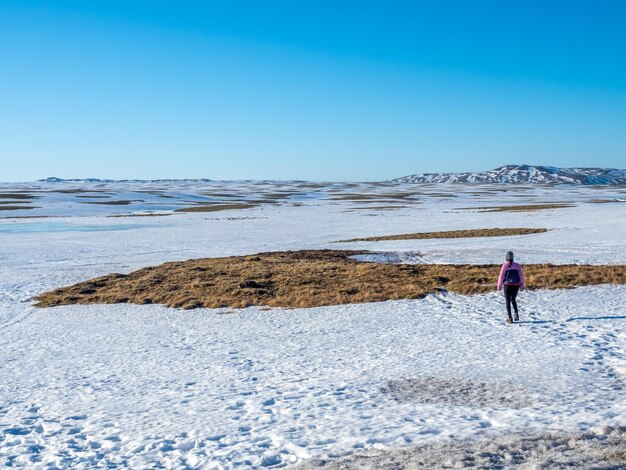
x,y
146,386
143,385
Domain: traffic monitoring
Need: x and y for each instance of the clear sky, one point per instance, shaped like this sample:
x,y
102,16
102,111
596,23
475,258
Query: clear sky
x,y
319,90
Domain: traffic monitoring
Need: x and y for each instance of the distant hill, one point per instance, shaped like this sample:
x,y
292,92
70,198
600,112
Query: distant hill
x,y
54,179
514,174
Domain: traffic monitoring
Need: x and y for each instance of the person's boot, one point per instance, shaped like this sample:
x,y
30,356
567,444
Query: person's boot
x,y
516,316
509,320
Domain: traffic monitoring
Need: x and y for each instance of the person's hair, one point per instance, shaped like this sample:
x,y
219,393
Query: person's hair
x,y
509,256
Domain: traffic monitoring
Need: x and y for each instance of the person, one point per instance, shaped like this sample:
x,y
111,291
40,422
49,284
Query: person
x,y
512,280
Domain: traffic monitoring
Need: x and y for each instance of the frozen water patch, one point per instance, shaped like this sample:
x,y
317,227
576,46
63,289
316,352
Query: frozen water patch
x,y
43,227
460,392
390,257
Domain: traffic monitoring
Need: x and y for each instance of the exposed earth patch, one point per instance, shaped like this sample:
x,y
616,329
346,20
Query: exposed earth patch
x,y
603,448
459,392
520,208
308,278
470,233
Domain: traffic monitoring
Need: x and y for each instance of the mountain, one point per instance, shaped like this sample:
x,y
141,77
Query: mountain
x,y
524,174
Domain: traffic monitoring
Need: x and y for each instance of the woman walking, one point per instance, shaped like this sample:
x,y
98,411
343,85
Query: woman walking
x,y
512,280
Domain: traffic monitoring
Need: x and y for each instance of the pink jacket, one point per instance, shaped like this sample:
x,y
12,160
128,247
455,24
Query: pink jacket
x,y
505,267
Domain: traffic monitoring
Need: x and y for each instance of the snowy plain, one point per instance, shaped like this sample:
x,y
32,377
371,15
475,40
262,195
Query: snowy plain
x,y
147,386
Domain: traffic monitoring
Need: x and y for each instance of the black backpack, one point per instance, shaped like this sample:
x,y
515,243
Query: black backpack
x,y
511,276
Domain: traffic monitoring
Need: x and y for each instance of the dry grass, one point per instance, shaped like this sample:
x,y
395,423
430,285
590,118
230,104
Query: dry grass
x,y
255,202
141,215
110,203
602,448
281,194
306,279
312,185
15,208
440,195
375,196
30,217
605,201
154,192
77,191
228,195
17,196
471,233
375,208
382,202
354,197
234,218
459,391
520,208
216,207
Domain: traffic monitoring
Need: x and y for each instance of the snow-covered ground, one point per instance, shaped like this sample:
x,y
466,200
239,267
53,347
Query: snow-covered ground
x,y
146,386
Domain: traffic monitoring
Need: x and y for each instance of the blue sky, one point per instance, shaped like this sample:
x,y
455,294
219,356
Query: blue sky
x,y
352,90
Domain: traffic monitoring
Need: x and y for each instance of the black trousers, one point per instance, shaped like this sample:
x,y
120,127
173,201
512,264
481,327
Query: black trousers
x,y
510,294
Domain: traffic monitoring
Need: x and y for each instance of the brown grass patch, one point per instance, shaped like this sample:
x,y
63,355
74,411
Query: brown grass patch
x,y
383,202
154,192
471,233
16,208
312,185
281,194
255,202
110,203
440,195
30,217
374,196
17,196
216,207
601,448
520,208
375,208
141,215
229,195
77,191
354,197
308,278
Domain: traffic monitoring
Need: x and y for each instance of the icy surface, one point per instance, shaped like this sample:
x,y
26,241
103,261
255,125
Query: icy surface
x,y
144,386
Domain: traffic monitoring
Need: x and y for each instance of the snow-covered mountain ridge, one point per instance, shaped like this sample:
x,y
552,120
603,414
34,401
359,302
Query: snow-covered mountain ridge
x,y
525,174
